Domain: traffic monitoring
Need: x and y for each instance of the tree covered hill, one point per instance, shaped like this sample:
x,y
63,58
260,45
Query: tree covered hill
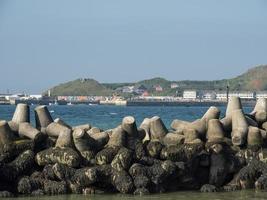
x,y
254,79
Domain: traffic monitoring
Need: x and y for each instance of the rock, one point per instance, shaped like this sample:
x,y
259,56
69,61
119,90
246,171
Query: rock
x,y
9,152
122,181
6,194
63,172
154,148
38,192
48,173
54,188
141,191
24,186
261,183
65,156
21,165
208,188
123,159
173,139
106,155
85,176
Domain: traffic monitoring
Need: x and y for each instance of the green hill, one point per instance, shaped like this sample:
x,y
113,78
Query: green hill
x,y
254,79
80,87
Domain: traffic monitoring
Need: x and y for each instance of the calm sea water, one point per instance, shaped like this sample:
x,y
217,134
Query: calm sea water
x,y
110,116
106,117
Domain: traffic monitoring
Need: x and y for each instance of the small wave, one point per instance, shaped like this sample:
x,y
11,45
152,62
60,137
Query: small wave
x,y
112,113
51,111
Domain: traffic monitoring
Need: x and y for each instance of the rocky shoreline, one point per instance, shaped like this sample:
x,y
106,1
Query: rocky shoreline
x,y
210,154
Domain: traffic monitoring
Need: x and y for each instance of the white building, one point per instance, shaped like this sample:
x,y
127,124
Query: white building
x,y
190,94
262,94
209,96
242,95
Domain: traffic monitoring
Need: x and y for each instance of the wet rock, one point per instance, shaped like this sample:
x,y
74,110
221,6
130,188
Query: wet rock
x,y
10,151
122,181
6,194
141,191
85,177
38,193
208,188
21,165
65,156
63,172
173,139
48,173
122,160
154,148
106,155
54,188
261,183
24,186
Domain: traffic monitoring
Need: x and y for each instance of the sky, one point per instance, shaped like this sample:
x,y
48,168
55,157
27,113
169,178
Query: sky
x,y
46,42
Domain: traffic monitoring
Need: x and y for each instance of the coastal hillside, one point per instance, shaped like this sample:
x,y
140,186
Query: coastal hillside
x,y
80,87
254,79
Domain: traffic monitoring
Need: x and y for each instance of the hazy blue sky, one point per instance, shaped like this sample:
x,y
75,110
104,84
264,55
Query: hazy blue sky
x,y
45,42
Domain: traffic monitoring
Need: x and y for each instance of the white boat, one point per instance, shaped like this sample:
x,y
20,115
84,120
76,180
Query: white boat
x,y
69,104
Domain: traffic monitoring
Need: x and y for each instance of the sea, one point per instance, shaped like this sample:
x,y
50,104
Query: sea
x,y
106,117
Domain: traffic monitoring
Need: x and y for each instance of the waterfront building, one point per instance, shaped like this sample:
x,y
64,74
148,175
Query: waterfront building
x,y
261,94
208,96
190,94
241,94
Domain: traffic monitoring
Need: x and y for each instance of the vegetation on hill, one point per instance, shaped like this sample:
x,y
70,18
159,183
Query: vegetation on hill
x,y
254,79
80,87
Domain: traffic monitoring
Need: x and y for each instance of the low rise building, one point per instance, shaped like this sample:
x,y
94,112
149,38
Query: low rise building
x,y
261,94
190,94
241,95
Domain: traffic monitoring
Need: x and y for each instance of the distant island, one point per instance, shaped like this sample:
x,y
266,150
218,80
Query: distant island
x,y
254,79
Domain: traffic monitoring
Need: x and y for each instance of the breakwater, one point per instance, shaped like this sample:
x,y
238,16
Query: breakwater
x,y
179,155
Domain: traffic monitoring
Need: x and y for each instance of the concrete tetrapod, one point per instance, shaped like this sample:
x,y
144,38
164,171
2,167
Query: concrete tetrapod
x,y
157,128
254,138
27,130
6,134
234,103
240,128
145,125
42,117
129,126
60,121
260,111
21,114
215,132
